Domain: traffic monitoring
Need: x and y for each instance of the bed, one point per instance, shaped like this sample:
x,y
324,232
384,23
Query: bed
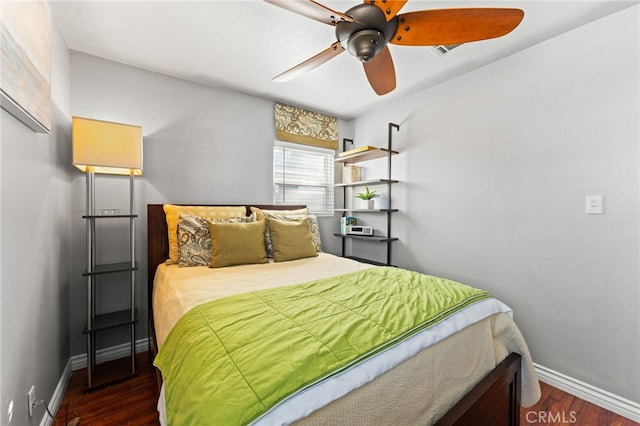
x,y
472,367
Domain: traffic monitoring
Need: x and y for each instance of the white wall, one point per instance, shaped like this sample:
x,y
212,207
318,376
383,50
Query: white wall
x,y
35,250
496,165
201,145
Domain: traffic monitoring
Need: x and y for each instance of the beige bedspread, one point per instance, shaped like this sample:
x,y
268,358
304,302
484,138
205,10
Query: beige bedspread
x,y
418,391
176,290
422,389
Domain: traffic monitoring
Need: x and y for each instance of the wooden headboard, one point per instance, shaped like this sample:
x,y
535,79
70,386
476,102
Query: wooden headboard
x,y
157,236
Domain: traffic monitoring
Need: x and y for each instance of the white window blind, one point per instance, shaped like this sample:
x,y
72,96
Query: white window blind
x,y
303,176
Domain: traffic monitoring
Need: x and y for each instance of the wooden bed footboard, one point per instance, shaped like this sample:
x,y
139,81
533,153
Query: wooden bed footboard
x,y
495,401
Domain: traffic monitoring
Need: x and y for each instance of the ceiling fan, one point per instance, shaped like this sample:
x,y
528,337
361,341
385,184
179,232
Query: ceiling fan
x,y
366,29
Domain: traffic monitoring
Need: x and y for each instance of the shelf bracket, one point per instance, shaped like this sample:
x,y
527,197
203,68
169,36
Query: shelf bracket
x,y
345,141
392,126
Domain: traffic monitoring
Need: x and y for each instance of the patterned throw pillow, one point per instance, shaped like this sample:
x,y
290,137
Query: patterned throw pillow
x,y
315,232
173,212
260,213
194,239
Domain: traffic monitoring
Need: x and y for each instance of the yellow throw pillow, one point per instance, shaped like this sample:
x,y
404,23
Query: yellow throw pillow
x,y
237,243
291,239
260,213
173,212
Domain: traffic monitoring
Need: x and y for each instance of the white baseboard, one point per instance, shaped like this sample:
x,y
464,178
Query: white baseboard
x,y
78,362
597,396
58,394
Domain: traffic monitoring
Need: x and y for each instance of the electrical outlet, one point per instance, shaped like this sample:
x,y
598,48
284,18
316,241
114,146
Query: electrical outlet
x,y
10,412
31,396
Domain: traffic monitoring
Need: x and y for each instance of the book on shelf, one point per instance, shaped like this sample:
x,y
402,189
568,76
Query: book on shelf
x,y
347,221
352,174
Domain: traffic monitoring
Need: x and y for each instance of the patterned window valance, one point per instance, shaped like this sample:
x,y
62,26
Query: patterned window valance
x,y
305,127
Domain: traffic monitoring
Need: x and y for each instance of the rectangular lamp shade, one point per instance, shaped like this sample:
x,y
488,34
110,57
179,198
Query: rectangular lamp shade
x,y
106,147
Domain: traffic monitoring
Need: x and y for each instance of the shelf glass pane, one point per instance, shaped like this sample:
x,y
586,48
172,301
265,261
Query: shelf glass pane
x,y
369,261
111,268
366,210
109,216
111,320
375,238
366,182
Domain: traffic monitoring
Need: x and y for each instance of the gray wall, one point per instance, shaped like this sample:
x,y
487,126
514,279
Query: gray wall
x,y
201,145
495,167
35,249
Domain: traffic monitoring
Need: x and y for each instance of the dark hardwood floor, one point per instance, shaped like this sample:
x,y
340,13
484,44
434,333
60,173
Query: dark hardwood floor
x,y
133,402
560,408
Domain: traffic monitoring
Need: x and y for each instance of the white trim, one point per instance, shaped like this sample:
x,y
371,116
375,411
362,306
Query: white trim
x,y
58,395
78,362
597,396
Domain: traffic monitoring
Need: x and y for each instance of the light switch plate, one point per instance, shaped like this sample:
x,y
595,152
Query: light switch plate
x,y
593,204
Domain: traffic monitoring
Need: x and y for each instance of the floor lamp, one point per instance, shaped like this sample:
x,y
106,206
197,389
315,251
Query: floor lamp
x,y
102,147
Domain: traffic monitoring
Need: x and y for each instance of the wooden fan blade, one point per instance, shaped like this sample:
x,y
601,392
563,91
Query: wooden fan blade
x,y
389,7
334,50
381,73
312,9
454,26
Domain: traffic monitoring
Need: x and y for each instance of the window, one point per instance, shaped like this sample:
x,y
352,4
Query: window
x,y
303,175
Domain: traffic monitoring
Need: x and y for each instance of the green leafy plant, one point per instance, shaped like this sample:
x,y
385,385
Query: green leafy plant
x,y
367,195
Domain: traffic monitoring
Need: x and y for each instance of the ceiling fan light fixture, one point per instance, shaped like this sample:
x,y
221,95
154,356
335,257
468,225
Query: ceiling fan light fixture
x,y
366,44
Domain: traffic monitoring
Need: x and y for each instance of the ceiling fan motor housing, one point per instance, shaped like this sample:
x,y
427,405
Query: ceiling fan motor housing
x,y
367,35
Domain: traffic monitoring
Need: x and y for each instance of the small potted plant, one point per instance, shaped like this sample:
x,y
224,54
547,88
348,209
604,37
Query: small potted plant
x,y
368,196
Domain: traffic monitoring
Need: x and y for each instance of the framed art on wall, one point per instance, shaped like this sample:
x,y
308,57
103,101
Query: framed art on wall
x,y
25,85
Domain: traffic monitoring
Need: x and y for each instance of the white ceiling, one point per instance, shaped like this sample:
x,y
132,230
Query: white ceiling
x,y
242,45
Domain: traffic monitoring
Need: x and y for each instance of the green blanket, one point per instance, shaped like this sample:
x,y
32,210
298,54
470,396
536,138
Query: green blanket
x,y
228,361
